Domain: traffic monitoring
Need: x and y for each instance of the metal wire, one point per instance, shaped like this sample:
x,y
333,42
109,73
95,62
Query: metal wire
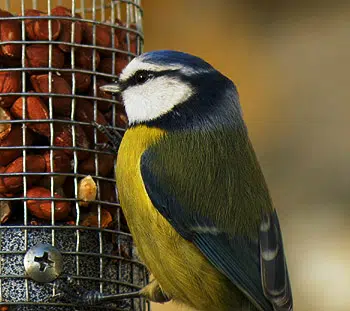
x,y
115,267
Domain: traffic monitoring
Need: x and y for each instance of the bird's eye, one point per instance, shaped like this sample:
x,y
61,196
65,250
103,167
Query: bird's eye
x,y
141,77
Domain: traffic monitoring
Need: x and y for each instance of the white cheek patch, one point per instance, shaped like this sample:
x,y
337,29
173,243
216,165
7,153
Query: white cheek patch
x,y
154,98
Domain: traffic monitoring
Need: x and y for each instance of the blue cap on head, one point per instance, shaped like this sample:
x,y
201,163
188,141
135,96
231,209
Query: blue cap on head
x,y
169,57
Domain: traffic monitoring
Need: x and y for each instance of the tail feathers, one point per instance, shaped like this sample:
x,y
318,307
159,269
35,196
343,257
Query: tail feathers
x,y
274,271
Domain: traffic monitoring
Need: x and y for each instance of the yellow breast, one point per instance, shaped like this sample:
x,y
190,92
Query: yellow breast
x,y
177,264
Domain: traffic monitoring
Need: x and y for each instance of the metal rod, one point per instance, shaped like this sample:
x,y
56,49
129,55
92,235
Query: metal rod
x,y
114,245
24,152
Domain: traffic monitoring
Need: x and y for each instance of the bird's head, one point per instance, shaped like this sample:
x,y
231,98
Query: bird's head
x,y
170,86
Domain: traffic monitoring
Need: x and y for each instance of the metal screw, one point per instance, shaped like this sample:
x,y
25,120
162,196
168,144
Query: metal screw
x,y
43,263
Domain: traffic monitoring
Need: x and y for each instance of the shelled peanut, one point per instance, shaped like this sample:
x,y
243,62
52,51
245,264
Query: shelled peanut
x,y
93,67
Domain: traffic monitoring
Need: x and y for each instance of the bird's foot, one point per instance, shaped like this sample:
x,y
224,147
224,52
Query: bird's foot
x,y
113,135
154,292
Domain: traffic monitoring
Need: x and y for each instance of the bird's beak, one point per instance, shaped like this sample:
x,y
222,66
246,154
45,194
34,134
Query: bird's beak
x,y
111,88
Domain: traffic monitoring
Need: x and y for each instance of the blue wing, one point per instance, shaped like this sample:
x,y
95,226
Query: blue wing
x,y
236,257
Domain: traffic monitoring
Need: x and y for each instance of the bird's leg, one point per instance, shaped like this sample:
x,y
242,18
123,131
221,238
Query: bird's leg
x,y
154,292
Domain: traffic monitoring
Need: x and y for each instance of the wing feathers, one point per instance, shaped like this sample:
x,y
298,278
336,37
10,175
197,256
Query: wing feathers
x,y
259,271
274,272
236,258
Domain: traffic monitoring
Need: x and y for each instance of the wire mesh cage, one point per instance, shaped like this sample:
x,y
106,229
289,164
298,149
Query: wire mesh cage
x,y
62,232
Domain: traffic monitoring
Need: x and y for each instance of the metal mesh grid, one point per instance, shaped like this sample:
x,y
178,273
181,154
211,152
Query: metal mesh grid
x,y
95,257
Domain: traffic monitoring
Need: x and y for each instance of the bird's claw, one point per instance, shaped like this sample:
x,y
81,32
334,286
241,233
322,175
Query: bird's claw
x,y
113,135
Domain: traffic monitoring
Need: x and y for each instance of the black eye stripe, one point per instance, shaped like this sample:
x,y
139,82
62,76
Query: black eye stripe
x,y
142,76
135,79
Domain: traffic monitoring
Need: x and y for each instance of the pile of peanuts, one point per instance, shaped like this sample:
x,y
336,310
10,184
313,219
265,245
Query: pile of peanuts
x,y
50,71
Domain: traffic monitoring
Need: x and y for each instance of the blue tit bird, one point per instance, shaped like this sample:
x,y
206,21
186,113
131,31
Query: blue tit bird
x,y
192,190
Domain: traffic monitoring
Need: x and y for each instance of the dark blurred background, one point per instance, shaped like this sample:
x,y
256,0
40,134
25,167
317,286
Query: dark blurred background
x,y
290,62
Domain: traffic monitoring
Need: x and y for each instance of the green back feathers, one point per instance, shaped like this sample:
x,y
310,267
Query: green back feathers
x,y
215,174
209,187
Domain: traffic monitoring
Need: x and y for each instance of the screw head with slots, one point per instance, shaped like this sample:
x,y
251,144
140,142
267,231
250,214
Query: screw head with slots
x,y
43,263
